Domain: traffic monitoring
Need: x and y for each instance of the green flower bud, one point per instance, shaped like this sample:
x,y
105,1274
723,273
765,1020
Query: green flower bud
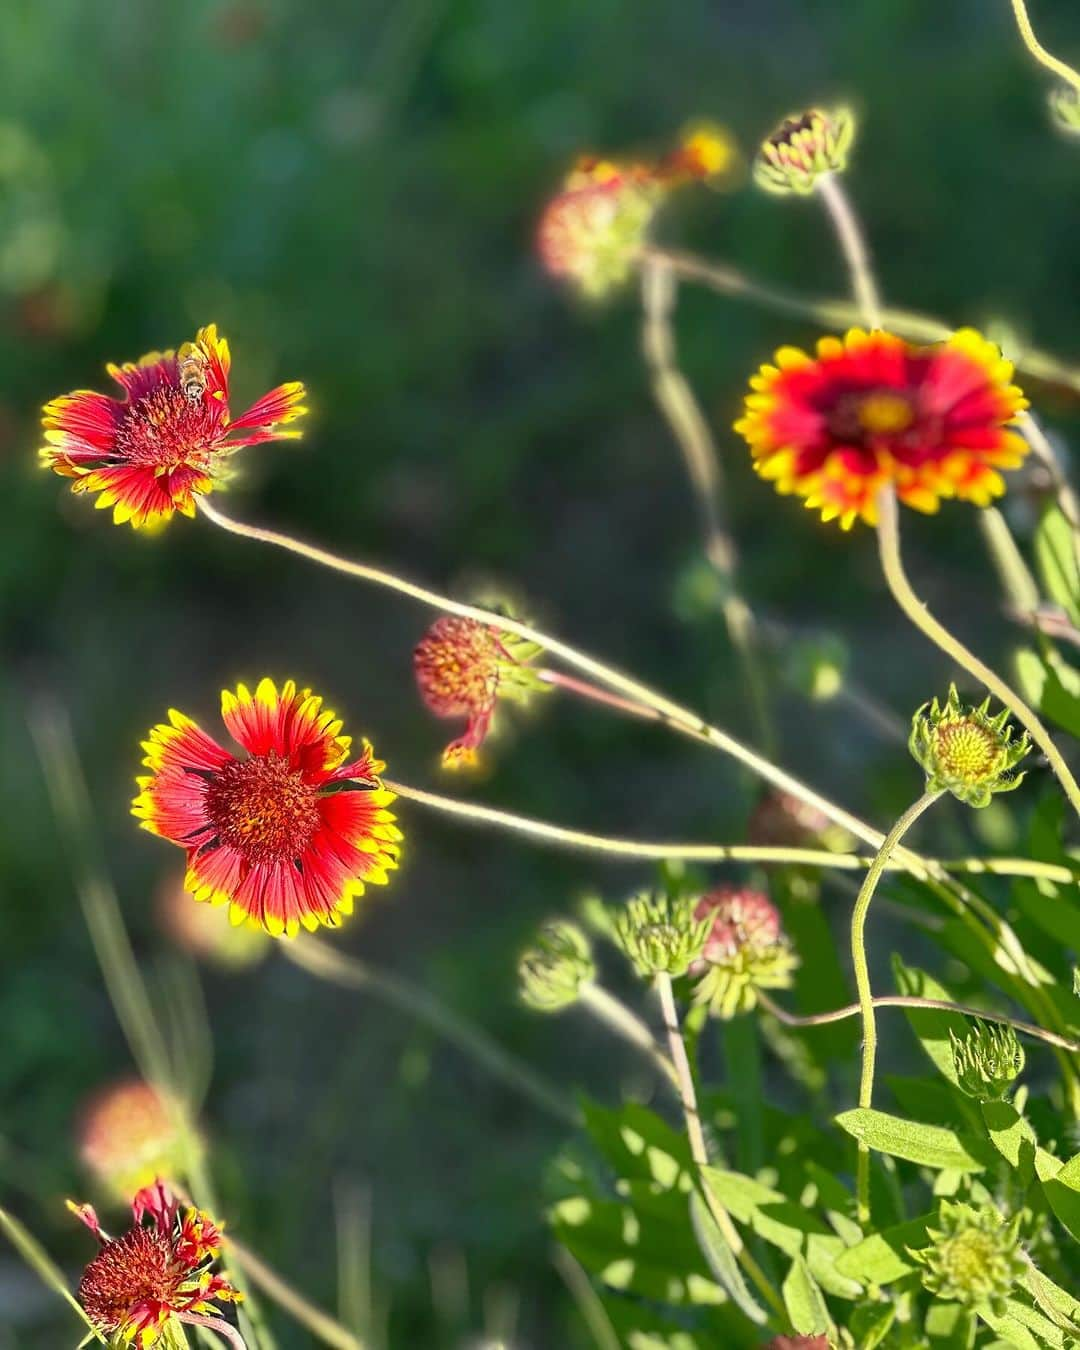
x,y
659,934
988,1060
552,972
974,1258
965,751
802,148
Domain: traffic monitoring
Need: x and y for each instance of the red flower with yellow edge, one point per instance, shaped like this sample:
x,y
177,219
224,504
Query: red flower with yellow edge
x,y
287,834
160,1269
463,667
165,442
871,409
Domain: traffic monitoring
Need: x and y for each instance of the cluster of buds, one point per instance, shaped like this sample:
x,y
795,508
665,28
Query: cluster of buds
x,y
463,667
592,231
746,950
128,1135
988,1060
965,751
803,148
161,1269
660,934
553,970
974,1258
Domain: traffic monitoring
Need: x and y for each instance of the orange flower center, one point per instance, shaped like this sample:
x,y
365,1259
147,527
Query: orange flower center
x,y
263,807
164,429
134,1269
458,666
882,413
968,751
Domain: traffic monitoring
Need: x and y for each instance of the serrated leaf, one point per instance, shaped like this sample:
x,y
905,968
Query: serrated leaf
x,y
803,1301
883,1257
1012,1136
1055,559
722,1262
927,1145
931,1026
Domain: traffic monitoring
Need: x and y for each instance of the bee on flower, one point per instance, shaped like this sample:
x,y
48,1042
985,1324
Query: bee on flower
x,y
462,668
287,833
128,1136
161,1269
871,409
167,440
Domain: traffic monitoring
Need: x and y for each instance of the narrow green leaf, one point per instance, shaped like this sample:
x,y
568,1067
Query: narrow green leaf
x,y
1055,558
871,1323
722,1262
1059,1305
1012,1332
931,1026
928,1145
1033,1320
883,1257
1012,1136
804,1301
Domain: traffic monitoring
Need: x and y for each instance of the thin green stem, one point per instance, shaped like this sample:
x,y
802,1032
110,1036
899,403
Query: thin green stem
x,y
853,247
627,1024
39,1261
321,1325
326,963
703,466
862,984
589,1303
1038,51
699,1149
889,549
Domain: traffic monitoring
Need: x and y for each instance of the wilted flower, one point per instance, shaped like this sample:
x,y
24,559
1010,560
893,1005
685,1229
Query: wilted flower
x,y
781,820
802,148
463,667
128,1136
287,835
591,232
871,409
988,1060
552,971
159,1269
166,441
746,950
659,934
974,1258
204,931
965,751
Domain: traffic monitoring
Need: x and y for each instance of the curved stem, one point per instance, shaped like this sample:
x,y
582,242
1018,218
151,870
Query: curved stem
x,y
862,984
823,1019
889,549
627,1024
699,1150
216,1324
558,679
325,962
1038,51
854,248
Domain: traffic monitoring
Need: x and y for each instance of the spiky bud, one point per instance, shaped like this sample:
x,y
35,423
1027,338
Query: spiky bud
x,y
553,970
746,950
988,1060
802,148
659,934
965,751
973,1258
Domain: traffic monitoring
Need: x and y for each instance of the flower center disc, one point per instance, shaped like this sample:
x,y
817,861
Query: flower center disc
x,y
967,751
263,807
163,429
128,1271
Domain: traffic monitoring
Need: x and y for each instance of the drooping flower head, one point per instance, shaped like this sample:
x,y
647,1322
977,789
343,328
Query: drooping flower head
x,y
974,1258
590,233
463,667
965,751
802,148
167,439
289,832
128,1136
161,1268
871,409
745,950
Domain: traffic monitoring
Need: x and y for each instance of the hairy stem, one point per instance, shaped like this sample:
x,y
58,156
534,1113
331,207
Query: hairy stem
x,y
1038,51
626,1023
889,549
698,1148
862,984
853,246
215,1324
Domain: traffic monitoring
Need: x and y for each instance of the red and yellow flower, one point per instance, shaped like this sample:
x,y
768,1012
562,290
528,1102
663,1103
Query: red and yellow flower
x,y
463,667
166,441
289,833
870,409
128,1136
160,1269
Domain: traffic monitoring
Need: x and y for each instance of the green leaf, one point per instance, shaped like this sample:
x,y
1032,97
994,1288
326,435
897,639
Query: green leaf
x,y
1012,1136
1061,1186
1055,559
931,1026
883,1257
1020,1315
870,1324
1012,1332
722,1261
933,1101
927,1145
1053,686
949,1327
1059,1305
804,1301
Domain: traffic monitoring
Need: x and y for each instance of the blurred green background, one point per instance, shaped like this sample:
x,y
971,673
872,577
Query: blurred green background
x,y
350,192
